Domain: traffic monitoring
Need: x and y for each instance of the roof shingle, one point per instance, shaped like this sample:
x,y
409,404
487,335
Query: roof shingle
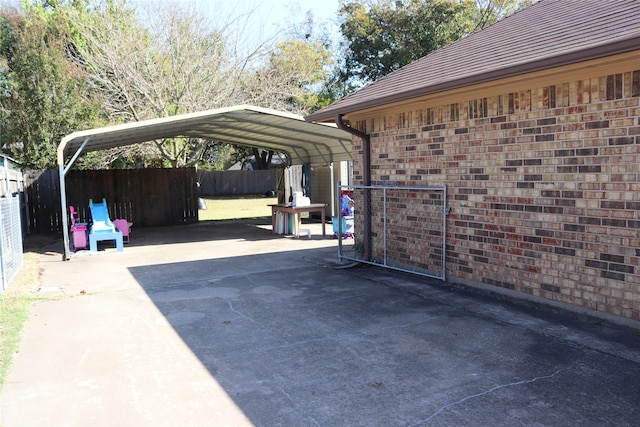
x,y
547,34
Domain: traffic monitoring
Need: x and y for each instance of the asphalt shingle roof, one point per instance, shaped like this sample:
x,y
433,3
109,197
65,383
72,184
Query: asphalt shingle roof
x,y
547,34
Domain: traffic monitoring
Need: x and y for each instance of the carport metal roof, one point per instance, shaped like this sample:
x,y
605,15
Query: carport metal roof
x,y
243,125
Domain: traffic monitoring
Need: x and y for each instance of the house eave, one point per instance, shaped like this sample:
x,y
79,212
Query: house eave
x,y
328,114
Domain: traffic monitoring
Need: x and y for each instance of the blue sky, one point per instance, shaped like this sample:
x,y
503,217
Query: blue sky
x,y
271,17
251,23
279,11
268,18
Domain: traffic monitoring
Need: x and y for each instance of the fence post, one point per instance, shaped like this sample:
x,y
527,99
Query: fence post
x,y
65,225
5,171
2,238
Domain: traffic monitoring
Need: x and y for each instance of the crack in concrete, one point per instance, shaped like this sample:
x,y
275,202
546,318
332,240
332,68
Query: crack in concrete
x,y
233,310
491,390
320,303
297,405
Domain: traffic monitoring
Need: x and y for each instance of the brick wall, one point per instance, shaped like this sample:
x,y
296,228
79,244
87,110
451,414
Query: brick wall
x,y
544,186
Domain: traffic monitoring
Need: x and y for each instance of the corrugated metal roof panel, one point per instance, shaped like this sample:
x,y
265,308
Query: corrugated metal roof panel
x,y
242,125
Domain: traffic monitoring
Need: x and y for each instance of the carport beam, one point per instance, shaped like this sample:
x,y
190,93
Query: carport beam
x,y
63,198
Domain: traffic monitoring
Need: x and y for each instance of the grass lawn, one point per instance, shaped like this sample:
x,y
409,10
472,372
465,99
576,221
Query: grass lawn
x,y
235,207
17,299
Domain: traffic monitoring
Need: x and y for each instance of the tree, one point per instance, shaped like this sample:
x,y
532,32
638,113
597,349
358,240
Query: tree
x,y
218,157
288,80
155,62
44,95
384,35
183,64
295,78
490,11
171,65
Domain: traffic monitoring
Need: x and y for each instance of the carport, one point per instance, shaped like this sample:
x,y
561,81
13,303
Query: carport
x,y
244,125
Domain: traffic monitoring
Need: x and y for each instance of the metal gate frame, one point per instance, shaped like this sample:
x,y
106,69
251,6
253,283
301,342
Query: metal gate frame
x,y
13,197
367,211
11,257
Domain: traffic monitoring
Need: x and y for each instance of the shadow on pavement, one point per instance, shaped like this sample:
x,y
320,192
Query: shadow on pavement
x,y
295,341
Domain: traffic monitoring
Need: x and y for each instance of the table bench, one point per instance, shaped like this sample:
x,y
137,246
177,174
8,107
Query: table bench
x,y
297,210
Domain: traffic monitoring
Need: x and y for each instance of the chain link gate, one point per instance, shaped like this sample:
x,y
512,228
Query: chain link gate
x,y
407,228
11,257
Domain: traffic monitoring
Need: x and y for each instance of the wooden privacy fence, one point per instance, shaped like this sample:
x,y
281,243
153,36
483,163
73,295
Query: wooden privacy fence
x,y
223,183
146,197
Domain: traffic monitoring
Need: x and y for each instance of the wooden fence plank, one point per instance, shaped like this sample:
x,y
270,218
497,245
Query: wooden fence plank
x,y
146,197
223,183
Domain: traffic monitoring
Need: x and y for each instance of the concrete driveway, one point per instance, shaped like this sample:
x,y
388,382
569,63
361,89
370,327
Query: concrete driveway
x,y
227,324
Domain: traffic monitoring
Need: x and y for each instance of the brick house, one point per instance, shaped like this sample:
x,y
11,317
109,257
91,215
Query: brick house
x,y
533,124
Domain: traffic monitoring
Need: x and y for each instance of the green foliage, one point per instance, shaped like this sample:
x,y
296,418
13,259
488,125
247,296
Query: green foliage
x,y
69,65
157,61
16,301
382,36
301,63
217,157
389,34
45,95
490,11
14,312
358,248
245,155
290,78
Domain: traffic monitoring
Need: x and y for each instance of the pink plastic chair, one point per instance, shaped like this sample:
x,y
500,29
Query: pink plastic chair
x,y
124,227
74,216
79,230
